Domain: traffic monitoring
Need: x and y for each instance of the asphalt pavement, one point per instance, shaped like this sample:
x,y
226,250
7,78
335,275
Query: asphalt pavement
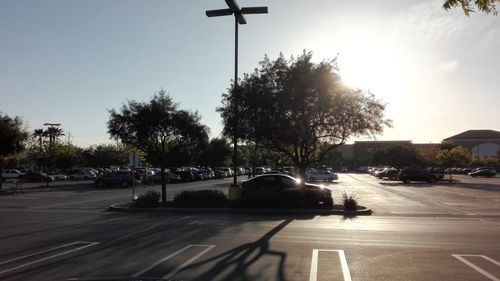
x,y
418,231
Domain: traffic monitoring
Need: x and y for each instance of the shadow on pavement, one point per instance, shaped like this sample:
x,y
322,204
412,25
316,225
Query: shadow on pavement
x,y
478,186
240,258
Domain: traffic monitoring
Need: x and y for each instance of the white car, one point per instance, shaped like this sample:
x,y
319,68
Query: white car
x,y
321,176
58,177
83,176
11,174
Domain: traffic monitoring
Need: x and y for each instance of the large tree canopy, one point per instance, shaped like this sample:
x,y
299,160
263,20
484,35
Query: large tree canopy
x,y
299,108
13,134
158,128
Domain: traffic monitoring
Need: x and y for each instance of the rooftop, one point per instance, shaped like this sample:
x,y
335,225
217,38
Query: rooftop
x,y
476,134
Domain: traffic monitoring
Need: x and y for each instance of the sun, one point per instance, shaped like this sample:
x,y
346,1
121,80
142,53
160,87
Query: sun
x,y
372,67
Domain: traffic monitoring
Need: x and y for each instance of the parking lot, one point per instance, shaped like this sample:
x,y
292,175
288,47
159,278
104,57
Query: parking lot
x,y
418,231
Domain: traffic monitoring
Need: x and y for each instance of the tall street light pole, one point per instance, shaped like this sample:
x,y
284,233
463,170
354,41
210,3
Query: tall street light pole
x,y
239,18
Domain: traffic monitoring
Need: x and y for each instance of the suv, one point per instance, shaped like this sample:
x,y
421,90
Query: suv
x,y
122,178
11,174
406,175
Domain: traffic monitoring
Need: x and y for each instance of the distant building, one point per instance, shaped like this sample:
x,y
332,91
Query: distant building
x,y
485,143
361,152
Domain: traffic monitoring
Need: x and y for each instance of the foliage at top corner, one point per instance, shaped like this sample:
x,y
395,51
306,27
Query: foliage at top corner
x,y
485,6
299,108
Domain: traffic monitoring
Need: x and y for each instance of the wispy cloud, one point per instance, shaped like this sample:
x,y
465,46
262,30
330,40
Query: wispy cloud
x,y
427,24
448,66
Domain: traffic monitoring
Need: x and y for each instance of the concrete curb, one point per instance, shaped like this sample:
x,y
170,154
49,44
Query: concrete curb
x,y
7,191
124,207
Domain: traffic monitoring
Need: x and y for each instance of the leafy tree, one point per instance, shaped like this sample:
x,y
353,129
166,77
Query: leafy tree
x,y
428,156
217,153
12,137
456,157
105,155
397,156
295,107
332,159
67,156
485,6
158,128
483,161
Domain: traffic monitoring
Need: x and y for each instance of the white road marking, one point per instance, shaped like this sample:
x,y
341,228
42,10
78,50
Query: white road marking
x,y
173,255
477,268
313,276
79,202
89,244
182,266
37,253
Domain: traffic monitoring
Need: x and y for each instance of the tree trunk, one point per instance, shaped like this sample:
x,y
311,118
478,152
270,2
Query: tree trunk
x,y
163,185
301,171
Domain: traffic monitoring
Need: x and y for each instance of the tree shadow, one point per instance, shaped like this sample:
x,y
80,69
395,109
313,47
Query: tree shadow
x,y
240,258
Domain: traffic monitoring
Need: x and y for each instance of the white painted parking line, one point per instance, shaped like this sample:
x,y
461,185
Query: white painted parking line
x,y
38,253
170,274
313,276
182,266
477,268
88,244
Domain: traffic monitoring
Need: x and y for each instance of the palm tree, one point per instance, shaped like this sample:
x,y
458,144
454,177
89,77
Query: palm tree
x,y
53,133
39,134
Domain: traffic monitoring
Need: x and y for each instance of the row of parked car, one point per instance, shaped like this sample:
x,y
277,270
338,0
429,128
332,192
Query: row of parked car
x,y
34,176
427,174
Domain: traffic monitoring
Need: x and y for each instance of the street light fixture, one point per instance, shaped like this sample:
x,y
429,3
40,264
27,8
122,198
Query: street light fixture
x,y
239,18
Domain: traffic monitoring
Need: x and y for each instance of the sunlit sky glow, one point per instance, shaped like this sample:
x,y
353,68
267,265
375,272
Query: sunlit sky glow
x,y
69,61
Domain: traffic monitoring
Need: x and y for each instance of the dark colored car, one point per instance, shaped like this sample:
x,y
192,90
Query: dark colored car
x,y
169,177
408,174
121,178
437,171
390,173
287,190
219,174
185,175
35,177
483,173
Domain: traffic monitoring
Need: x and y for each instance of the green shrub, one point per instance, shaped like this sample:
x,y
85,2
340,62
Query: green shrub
x,y
350,201
201,199
148,199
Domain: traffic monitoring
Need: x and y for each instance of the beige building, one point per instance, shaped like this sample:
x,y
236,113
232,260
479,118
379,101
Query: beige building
x,y
484,143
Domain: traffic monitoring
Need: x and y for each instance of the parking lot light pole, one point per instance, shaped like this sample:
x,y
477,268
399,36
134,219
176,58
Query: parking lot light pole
x,y
239,18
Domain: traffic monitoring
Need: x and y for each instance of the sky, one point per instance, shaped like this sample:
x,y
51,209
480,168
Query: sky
x,y
70,61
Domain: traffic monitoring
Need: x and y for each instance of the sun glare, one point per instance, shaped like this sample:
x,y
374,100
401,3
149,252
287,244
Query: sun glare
x,y
372,67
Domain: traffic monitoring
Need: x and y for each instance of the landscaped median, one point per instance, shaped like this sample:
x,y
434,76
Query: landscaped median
x,y
214,201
